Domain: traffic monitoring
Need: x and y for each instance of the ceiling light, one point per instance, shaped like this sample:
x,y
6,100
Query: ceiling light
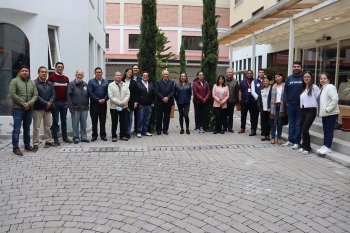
x,y
317,20
338,17
327,18
280,34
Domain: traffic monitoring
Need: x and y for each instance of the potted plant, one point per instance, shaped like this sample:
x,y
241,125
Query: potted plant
x,y
346,119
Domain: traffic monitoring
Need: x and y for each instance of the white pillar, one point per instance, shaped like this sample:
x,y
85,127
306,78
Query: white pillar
x,y
253,53
230,55
291,46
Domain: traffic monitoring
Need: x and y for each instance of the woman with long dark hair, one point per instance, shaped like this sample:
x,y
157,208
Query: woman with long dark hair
x,y
201,94
277,108
183,93
220,94
263,108
308,108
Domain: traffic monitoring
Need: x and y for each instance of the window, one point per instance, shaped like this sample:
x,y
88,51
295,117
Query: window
x,y
238,23
54,51
238,1
249,63
107,41
258,11
99,9
134,41
192,42
14,52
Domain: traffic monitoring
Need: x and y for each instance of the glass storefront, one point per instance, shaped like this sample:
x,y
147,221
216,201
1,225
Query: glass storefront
x,y
344,71
14,52
279,61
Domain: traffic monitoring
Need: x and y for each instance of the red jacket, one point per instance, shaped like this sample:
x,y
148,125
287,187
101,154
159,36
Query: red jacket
x,y
200,92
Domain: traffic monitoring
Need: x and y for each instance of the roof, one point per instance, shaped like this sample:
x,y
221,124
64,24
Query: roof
x,y
134,56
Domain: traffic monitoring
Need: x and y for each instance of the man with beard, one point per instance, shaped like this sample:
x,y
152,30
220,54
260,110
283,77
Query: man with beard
x,y
248,103
292,90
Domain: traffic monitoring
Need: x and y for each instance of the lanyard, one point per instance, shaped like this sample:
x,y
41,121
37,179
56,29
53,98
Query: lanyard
x,y
249,84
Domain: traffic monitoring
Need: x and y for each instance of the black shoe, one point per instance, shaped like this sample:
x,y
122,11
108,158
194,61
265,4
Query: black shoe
x,y
182,131
29,148
57,142
104,139
222,131
93,139
76,142
231,131
165,132
215,132
128,136
67,140
187,131
253,133
17,152
159,132
85,140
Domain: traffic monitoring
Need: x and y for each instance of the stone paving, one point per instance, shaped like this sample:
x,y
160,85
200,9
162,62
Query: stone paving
x,y
175,183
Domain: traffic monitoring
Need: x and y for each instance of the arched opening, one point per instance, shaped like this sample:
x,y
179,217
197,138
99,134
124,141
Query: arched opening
x,y
14,52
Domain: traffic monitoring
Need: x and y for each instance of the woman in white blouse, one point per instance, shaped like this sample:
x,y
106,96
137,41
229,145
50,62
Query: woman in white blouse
x,y
328,110
308,106
263,108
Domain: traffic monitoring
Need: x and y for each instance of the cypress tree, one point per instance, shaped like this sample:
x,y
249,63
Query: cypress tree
x,y
182,58
209,55
147,45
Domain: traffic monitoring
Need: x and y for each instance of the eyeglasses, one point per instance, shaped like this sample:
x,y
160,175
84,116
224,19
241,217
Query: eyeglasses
x,y
307,76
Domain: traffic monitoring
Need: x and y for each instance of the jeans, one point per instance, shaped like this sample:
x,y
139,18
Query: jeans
x,y
199,115
143,118
230,111
98,112
20,115
253,112
264,121
129,120
220,118
79,118
294,130
277,123
308,116
122,119
328,128
183,113
163,116
60,110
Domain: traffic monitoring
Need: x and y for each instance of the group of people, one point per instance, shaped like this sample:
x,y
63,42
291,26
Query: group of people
x,y
294,101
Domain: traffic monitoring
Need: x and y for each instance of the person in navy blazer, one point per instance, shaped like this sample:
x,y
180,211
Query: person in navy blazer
x,y
165,90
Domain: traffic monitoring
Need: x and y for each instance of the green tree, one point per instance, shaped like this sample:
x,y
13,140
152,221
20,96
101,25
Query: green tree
x,y
182,58
209,54
147,45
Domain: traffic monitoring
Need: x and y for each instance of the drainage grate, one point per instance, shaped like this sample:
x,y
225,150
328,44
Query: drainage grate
x,y
161,148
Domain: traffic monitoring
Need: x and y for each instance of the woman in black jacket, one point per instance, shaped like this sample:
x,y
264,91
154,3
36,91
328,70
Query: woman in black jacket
x,y
183,93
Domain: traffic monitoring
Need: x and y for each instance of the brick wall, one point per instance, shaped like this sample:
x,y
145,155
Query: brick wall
x,y
224,20
192,16
113,13
167,15
132,14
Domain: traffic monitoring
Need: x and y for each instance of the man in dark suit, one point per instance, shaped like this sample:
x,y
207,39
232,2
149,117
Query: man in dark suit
x,y
165,90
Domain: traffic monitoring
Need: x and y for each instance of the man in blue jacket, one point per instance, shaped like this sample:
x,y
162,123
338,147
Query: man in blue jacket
x,y
292,90
98,92
165,90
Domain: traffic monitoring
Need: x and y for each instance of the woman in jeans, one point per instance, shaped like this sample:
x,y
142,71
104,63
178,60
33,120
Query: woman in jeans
x,y
183,93
263,108
277,108
201,94
328,110
220,94
308,106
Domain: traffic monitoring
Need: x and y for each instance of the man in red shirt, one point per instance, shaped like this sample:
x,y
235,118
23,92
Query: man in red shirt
x,y
59,109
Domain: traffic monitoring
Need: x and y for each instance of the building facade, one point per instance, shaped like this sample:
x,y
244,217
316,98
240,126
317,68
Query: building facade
x,y
180,20
41,33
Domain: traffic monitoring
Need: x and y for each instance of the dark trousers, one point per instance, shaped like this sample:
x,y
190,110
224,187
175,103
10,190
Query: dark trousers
x,y
98,112
135,119
307,117
328,123
294,129
199,117
163,116
59,112
265,124
183,113
220,118
122,122
21,116
230,111
253,112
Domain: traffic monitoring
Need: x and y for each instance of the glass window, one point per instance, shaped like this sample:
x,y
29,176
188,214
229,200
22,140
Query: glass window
x,y
54,53
107,41
344,71
309,60
14,52
249,63
237,1
257,11
134,41
244,64
192,42
279,61
326,61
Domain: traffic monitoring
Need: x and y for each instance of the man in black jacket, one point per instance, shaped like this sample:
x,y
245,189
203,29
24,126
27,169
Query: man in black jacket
x,y
165,90
42,108
145,104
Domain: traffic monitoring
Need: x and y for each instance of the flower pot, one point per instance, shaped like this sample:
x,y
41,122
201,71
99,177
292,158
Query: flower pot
x,y
345,123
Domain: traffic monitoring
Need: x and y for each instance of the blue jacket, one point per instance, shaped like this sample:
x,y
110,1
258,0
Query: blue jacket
x,y
183,94
246,96
46,93
138,79
292,90
97,91
165,90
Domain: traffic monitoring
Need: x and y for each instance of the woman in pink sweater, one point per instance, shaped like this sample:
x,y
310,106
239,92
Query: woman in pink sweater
x,y
220,95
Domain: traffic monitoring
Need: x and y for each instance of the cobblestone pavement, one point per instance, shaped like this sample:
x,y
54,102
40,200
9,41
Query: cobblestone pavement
x,y
176,183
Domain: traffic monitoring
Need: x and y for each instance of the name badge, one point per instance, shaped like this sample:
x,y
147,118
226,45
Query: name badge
x,y
249,90
258,85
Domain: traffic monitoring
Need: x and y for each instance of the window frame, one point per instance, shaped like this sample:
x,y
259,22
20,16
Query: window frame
x,y
52,65
107,41
193,50
138,46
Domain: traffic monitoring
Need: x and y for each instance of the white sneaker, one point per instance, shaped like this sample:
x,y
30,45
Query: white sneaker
x,y
288,143
305,152
300,150
295,146
318,150
325,151
201,130
198,131
148,134
138,135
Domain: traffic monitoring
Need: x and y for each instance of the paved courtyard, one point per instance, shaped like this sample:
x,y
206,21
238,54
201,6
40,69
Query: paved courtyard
x,y
175,183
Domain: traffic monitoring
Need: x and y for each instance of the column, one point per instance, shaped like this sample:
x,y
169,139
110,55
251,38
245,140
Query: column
x,y
291,46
